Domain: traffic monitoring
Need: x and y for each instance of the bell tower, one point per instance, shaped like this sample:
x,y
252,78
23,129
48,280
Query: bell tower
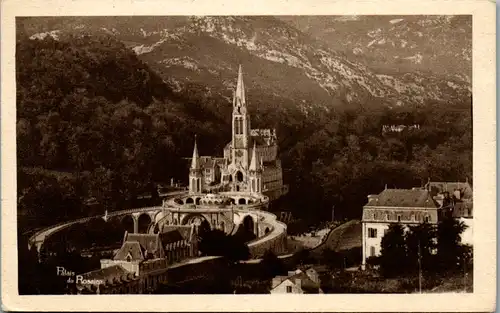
x,y
241,126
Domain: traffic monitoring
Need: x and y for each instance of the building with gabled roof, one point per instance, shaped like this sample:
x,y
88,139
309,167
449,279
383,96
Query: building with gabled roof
x,y
297,282
456,200
405,206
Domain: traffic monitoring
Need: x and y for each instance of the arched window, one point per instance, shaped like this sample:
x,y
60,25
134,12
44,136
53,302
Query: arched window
x,y
236,126
239,176
253,185
241,126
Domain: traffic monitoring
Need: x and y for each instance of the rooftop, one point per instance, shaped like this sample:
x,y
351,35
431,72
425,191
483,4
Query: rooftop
x,y
307,284
402,198
107,273
438,187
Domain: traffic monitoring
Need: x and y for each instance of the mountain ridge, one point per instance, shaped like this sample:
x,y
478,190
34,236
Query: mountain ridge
x,y
279,60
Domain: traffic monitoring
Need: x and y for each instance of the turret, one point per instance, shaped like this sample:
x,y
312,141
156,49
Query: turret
x,y
254,162
195,173
195,160
255,171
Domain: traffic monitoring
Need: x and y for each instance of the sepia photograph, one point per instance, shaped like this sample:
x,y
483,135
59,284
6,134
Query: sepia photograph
x,y
245,154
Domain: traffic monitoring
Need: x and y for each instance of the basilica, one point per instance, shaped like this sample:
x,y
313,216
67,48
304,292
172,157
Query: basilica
x,y
250,161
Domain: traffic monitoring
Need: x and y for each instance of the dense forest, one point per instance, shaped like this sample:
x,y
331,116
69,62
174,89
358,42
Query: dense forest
x,y
93,121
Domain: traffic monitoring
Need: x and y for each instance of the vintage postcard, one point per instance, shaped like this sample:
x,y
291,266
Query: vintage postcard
x,y
248,156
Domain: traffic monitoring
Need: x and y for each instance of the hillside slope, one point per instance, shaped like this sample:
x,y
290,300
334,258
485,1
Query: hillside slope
x,y
437,44
282,64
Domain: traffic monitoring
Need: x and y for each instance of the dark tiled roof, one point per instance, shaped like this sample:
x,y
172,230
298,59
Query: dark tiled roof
x,y
438,187
307,284
171,236
187,231
259,141
149,242
130,247
403,198
115,271
210,162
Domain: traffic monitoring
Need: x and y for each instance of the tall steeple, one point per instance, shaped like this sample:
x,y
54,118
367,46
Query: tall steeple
x,y
240,89
240,153
194,161
254,162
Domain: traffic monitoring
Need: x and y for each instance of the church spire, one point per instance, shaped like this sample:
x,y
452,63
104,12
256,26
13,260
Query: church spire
x,y
194,161
240,89
253,162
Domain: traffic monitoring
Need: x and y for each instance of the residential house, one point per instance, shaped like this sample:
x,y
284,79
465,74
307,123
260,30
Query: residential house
x,y
297,282
405,206
456,201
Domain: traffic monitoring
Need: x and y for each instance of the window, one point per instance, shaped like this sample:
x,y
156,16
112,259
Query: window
x,y
288,289
372,233
427,219
372,251
399,218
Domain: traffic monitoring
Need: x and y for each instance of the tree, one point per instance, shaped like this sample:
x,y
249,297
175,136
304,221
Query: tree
x,y
393,259
449,246
420,243
216,242
332,259
271,265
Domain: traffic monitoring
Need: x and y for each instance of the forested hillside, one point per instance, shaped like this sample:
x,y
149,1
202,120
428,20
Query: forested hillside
x,y
95,121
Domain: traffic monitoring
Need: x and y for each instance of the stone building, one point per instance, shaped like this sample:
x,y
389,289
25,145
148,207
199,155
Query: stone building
x,y
250,162
456,201
142,261
405,206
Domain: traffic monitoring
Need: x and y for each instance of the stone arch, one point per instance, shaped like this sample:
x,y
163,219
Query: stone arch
x,y
239,176
189,201
127,221
267,230
193,218
242,201
197,201
178,201
204,227
248,224
143,221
